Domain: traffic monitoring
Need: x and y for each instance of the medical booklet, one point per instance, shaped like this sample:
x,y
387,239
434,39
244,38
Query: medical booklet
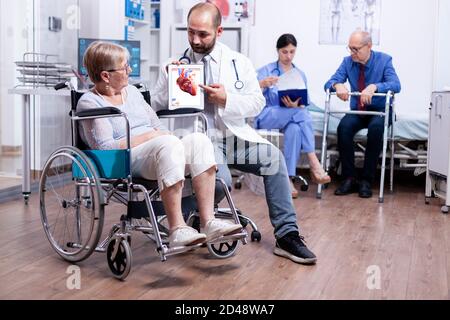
x,y
294,94
291,84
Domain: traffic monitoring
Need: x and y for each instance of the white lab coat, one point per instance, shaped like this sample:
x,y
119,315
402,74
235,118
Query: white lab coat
x,y
241,104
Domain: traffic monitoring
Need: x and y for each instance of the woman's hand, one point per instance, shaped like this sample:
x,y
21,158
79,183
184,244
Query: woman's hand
x,y
268,82
153,134
142,138
291,104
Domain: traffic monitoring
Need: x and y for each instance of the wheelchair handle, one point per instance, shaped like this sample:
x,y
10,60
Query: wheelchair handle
x,y
63,85
60,86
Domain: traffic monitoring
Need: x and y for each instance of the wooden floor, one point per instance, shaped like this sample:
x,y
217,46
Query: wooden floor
x,y
402,243
8,182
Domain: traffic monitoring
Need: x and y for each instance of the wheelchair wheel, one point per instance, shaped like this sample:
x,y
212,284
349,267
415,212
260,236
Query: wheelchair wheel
x,y
71,204
119,257
222,250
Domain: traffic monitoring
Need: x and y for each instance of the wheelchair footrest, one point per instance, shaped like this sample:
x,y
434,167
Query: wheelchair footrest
x,y
176,250
231,237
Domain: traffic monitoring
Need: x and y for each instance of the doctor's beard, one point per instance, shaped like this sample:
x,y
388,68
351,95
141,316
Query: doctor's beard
x,y
205,48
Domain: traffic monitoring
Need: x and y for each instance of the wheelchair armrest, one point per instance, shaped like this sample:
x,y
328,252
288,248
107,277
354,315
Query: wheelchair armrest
x,y
178,112
98,112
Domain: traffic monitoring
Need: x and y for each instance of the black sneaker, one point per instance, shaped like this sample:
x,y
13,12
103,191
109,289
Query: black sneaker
x,y
291,246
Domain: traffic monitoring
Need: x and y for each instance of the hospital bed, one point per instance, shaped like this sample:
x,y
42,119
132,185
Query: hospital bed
x,y
408,142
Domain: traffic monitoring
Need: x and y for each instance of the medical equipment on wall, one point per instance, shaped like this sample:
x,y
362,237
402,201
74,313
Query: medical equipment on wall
x,y
54,24
238,84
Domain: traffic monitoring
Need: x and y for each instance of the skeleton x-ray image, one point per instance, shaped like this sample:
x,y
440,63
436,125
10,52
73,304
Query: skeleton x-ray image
x,y
339,18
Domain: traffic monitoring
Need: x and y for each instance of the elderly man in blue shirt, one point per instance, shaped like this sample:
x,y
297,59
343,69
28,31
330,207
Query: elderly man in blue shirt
x,y
368,72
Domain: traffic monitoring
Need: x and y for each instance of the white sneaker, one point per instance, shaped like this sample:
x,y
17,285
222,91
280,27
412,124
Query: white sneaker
x,y
216,228
185,236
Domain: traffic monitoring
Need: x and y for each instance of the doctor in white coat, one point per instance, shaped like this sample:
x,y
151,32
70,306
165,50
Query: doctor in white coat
x,y
233,95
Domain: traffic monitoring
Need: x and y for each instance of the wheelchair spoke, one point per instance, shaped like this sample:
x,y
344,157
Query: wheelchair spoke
x,y
55,193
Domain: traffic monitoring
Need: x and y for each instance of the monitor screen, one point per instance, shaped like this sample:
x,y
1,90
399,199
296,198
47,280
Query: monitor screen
x,y
134,47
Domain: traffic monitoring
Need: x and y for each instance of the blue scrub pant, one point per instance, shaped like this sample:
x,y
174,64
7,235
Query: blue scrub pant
x,y
296,125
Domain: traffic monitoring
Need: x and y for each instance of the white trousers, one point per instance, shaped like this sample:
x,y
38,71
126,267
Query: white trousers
x,y
169,159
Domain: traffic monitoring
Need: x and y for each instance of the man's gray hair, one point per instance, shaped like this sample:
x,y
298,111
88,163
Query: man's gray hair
x,y
366,38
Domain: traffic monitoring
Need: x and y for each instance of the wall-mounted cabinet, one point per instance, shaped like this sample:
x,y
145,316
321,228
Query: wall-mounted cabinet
x,y
138,21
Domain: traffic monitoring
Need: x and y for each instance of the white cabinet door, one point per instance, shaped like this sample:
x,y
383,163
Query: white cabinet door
x,y
439,133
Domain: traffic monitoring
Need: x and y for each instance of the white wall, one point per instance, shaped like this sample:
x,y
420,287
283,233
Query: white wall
x,y
16,37
407,34
99,19
442,47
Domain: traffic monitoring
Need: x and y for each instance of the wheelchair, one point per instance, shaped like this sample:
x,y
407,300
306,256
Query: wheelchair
x,y
388,136
77,184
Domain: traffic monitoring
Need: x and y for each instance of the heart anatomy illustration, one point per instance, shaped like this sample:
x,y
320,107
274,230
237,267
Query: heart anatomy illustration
x,y
186,81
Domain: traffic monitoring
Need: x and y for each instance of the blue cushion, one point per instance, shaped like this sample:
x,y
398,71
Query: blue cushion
x,y
110,164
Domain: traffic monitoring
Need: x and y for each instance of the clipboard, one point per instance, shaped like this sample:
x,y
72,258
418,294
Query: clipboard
x,y
294,94
184,90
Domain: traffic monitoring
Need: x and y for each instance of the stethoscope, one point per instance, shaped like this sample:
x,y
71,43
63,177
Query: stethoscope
x,y
277,70
238,84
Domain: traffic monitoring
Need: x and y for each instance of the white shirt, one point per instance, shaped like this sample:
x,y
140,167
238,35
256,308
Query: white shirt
x,y
241,104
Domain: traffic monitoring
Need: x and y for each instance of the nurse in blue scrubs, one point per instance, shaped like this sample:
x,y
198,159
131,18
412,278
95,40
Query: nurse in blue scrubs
x,y
294,120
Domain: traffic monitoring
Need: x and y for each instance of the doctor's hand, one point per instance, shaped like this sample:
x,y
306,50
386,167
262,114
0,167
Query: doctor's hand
x,y
216,94
176,62
341,91
367,94
291,104
268,82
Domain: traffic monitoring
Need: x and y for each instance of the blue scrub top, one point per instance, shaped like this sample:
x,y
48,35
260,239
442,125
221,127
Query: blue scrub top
x,y
273,115
271,70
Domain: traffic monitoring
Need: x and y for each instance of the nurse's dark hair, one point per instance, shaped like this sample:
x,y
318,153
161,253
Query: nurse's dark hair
x,y
286,39
209,5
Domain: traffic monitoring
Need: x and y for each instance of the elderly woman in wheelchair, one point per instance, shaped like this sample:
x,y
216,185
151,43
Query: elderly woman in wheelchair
x,y
154,154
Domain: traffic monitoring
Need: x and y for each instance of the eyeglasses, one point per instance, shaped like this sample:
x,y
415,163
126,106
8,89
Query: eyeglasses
x,y
355,50
125,68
